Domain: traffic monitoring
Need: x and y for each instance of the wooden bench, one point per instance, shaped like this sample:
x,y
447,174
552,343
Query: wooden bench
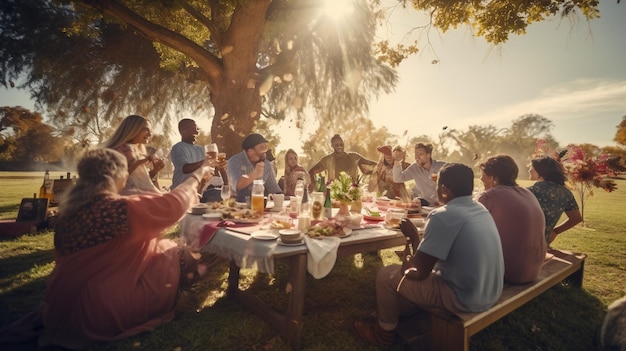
x,y
453,332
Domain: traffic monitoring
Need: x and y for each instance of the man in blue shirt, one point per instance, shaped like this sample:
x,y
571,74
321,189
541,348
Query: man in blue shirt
x,y
458,266
250,164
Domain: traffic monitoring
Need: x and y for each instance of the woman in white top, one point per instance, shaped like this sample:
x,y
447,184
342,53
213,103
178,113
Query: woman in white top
x,y
130,139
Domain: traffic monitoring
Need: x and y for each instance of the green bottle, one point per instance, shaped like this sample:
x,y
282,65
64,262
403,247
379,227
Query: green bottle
x,y
328,205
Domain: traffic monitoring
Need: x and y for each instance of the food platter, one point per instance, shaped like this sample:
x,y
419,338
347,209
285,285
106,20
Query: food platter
x,y
373,218
244,220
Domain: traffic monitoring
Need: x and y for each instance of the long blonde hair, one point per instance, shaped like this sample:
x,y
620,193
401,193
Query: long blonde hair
x,y
126,131
99,170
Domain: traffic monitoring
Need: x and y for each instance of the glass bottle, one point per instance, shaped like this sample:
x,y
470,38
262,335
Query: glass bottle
x,y
258,194
328,205
43,189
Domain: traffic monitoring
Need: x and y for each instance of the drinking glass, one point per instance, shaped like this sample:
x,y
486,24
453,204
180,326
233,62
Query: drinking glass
x,y
211,150
225,193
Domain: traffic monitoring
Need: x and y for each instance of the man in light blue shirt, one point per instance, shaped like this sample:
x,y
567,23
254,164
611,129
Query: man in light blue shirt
x,y
459,266
250,164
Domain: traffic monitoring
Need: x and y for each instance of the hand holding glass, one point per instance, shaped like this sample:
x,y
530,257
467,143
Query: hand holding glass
x,y
211,150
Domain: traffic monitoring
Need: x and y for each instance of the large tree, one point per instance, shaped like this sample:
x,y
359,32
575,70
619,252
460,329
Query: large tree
x,y
276,58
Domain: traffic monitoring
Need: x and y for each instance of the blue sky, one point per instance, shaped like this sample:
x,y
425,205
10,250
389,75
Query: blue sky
x,y
571,72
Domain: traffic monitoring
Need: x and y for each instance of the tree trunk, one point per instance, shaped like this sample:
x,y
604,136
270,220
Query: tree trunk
x,y
237,110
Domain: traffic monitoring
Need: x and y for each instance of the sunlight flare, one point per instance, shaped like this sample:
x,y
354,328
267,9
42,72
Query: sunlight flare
x,y
338,9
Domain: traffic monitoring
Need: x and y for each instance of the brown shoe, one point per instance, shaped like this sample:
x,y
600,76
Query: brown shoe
x,y
370,330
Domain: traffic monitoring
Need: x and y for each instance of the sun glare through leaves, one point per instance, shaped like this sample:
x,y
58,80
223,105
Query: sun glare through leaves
x,y
338,10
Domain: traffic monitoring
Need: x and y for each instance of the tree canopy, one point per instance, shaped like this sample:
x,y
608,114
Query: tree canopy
x,y
239,60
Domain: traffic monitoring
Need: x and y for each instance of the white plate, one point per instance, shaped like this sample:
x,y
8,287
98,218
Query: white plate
x,y
213,216
280,242
392,227
264,235
346,232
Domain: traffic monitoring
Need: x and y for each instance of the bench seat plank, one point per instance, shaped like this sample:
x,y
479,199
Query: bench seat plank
x,y
453,332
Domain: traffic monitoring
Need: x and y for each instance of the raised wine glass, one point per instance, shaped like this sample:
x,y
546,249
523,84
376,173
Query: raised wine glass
x,y
211,150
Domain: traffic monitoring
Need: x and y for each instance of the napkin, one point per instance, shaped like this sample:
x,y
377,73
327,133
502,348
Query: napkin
x,y
209,230
322,255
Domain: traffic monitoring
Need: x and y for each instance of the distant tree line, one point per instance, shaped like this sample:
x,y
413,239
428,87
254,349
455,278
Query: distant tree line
x,y
26,138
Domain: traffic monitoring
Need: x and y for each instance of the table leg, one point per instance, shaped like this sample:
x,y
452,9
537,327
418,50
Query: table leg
x,y
233,280
295,307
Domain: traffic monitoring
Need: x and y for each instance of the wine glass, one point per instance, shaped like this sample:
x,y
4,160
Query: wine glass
x,y
225,193
211,150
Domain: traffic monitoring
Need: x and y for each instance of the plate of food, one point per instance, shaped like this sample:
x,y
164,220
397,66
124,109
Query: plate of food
x,y
328,228
374,218
371,215
264,234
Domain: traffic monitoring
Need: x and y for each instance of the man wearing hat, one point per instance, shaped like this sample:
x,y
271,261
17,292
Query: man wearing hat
x,y
340,161
250,164
381,180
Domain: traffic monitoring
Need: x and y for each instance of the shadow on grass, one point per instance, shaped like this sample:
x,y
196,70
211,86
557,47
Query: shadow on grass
x,y
562,318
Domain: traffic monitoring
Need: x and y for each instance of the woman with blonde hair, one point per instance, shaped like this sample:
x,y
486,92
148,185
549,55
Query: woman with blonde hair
x,y
293,170
130,139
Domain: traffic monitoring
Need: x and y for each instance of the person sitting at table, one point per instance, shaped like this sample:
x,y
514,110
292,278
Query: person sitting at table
x,y
187,157
381,179
553,196
421,172
115,275
250,164
340,161
518,216
293,170
457,267
130,138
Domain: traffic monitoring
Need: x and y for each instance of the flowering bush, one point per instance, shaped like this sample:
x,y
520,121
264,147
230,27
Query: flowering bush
x,y
344,189
584,173
581,170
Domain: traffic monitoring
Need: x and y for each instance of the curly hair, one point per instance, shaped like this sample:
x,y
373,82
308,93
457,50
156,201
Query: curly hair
x,y
99,170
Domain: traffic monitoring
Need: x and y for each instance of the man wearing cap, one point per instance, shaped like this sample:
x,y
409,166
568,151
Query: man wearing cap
x,y
422,172
250,164
340,161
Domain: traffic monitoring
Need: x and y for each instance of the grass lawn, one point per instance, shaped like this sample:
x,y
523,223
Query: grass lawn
x,y
563,318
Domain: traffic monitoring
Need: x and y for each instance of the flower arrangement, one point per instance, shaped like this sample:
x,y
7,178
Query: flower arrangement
x,y
344,189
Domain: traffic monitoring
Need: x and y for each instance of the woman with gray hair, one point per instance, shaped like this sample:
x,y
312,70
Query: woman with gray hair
x,y
115,274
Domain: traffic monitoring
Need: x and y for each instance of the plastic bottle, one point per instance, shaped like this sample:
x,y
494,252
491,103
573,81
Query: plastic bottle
x,y
304,216
328,205
258,194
